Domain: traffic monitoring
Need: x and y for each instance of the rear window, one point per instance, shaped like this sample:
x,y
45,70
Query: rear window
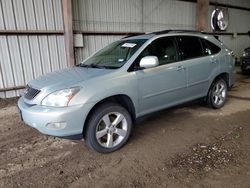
x,y
209,47
189,47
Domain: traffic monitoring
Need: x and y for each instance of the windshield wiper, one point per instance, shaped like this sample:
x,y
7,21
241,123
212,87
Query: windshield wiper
x,y
96,66
89,66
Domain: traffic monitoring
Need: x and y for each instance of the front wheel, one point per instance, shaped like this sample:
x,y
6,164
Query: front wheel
x,y
217,94
108,128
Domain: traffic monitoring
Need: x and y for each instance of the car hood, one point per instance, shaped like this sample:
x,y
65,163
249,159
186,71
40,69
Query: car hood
x,y
67,77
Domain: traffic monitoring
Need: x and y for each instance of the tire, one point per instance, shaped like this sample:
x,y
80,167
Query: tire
x,y
217,94
108,128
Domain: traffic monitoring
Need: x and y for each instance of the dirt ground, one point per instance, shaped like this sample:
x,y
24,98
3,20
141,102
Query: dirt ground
x,y
188,146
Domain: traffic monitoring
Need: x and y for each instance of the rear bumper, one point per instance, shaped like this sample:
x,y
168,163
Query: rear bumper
x,y
39,117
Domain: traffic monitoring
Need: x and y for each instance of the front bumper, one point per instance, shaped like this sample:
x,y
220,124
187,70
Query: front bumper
x,y
245,63
39,117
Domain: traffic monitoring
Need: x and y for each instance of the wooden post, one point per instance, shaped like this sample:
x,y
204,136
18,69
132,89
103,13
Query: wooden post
x,y
202,15
68,31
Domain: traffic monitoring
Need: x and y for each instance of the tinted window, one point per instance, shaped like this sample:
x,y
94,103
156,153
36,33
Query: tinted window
x,y
209,48
163,48
190,47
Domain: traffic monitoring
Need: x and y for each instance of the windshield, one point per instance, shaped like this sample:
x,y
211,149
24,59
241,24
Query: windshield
x,y
114,55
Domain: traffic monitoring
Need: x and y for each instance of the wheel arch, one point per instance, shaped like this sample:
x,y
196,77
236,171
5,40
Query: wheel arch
x,y
224,75
121,99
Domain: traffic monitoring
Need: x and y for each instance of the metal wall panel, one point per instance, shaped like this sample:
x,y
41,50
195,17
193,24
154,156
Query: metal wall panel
x,y
148,16
31,14
8,15
2,24
132,15
40,14
24,57
49,14
6,66
127,16
107,15
58,14
161,15
93,44
18,9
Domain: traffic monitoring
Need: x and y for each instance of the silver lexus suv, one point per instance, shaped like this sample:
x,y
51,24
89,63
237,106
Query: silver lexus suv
x,y
101,97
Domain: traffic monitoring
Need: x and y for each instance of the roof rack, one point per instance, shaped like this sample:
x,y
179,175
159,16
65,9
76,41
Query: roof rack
x,y
133,34
175,31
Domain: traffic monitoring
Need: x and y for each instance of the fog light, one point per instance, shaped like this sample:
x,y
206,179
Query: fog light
x,y
56,126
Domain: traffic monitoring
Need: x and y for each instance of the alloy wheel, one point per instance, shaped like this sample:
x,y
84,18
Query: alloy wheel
x,y
111,129
219,93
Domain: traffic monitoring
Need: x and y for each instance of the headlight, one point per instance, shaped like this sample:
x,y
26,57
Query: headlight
x,y
244,54
60,98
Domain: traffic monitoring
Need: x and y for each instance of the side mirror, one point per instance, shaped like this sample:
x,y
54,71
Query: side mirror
x,y
149,62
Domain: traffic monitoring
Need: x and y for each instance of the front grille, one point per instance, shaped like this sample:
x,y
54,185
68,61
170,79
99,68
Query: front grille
x,y
30,93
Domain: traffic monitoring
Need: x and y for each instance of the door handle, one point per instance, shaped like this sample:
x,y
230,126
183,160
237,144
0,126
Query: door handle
x,y
180,68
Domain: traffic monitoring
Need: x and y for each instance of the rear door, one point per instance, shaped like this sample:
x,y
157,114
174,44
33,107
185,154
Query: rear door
x,y
200,62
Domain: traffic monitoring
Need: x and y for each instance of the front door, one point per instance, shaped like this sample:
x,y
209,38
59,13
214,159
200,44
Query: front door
x,y
164,85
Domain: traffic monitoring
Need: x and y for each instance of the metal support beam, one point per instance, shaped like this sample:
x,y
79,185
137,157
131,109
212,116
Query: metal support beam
x,y
68,31
107,33
31,32
215,3
202,15
11,88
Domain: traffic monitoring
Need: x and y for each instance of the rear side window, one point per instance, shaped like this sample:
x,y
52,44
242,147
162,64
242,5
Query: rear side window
x,y
209,47
189,47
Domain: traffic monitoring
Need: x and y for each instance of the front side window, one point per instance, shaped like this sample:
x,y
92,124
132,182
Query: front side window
x,y
114,55
189,47
163,48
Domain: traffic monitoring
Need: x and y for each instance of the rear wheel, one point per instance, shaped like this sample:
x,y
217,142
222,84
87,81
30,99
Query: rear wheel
x,y
217,94
108,128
